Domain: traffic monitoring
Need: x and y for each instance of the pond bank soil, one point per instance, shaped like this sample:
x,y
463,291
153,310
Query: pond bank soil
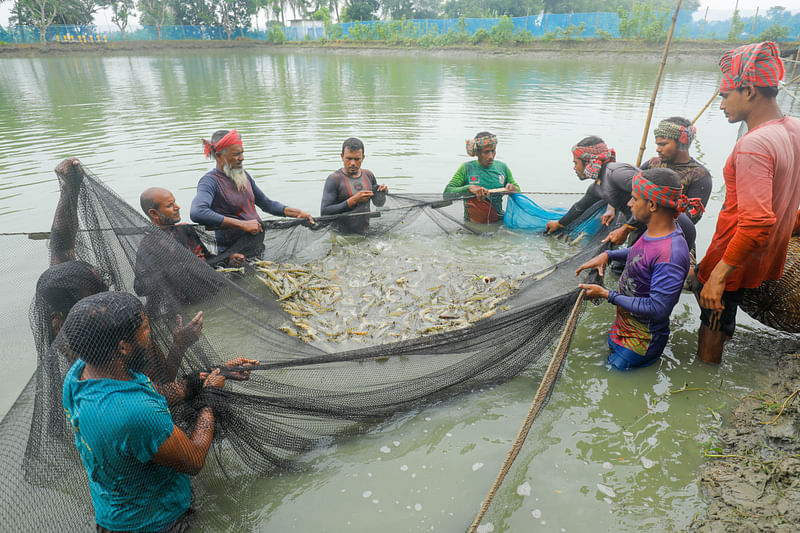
x,y
754,484
636,50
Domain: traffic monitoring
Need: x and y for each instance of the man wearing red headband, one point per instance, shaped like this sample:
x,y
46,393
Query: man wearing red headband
x,y
762,194
227,196
655,269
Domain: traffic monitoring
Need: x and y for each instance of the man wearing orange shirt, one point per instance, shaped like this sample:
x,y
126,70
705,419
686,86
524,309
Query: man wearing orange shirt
x,y
762,194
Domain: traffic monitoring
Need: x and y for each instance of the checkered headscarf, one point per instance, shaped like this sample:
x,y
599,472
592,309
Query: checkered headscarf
x,y
757,64
474,146
683,135
594,157
666,196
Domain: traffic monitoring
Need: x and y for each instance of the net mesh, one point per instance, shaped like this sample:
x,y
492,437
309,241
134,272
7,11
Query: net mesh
x,y
347,330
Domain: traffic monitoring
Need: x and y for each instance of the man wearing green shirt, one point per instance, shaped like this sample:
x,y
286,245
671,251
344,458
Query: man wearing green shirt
x,y
479,177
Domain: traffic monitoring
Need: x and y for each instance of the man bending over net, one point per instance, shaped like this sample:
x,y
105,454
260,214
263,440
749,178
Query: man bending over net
x,y
160,207
138,461
655,269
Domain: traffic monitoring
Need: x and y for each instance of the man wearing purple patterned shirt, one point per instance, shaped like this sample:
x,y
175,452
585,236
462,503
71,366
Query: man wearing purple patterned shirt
x,y
655,269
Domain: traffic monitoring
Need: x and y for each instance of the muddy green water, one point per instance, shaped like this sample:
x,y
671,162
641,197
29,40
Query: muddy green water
x,y
612,451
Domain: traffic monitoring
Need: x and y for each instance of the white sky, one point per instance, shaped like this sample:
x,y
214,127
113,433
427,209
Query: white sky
x,y
717,9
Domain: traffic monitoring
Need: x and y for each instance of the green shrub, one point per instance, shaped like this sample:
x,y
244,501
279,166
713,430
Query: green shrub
x,y
523,37
737,27
602,35
503,32
773,33
548,36
429,38
570,31
479,36
275,35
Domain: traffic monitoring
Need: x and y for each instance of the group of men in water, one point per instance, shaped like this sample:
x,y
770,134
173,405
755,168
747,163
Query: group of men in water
x,y
759,216
138,462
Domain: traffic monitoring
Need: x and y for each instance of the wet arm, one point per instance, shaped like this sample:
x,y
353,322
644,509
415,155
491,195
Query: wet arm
x,y
65,220
579,207
458,185
186,453
329,205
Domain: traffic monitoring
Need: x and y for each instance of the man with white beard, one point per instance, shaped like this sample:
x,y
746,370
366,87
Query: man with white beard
x,y
227,196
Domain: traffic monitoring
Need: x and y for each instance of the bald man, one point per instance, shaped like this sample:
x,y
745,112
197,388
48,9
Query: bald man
x,y
161,208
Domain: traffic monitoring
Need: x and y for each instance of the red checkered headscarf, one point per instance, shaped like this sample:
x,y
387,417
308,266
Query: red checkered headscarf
x,y
474,146
230,138
666,196
759,65
594,157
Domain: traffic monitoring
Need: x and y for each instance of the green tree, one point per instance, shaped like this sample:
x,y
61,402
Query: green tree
x,y
411,9
737,26
154,13
39,13
120,11
356,10
491,8
234,14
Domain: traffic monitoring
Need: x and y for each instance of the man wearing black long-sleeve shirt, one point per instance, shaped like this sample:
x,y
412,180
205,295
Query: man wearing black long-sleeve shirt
x,y
592,159
350,190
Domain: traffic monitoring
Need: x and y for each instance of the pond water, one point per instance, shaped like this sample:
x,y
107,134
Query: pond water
x,y
611,449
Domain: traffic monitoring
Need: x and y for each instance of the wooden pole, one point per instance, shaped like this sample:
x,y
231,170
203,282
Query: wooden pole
x,y
703,28
597,21
753,28
544,30
658,82
716,93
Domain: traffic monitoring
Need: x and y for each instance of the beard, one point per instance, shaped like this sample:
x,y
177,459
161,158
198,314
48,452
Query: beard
x,y
237,176
138,360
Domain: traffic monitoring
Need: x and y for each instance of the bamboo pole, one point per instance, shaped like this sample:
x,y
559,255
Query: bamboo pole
x,y
538,402
658,82
716,93
753,27
703,28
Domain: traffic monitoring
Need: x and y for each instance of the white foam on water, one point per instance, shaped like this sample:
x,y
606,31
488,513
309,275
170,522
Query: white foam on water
x,y
647,463
375,501
524,489
605,489
448,434
427,419
396,443
607,465
386,449
366,494
413,476
652,441
486,528
417,506
477,466
536,513
403,468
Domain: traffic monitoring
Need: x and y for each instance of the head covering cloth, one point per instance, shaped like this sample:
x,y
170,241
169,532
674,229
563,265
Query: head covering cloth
x,y
230,138
683,135
758,64
670,197
594,157
474,146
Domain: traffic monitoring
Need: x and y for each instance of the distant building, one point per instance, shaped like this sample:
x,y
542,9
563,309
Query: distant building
x,y
302,27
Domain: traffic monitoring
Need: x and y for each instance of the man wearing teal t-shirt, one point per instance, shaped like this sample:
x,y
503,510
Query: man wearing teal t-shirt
x,y
138,462
479,177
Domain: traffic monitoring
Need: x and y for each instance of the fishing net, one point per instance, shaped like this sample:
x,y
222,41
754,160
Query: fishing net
x,y
347,329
